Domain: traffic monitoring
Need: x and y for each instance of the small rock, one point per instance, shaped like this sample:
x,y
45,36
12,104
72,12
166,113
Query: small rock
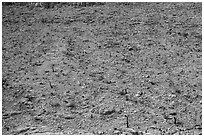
x,y
55,103
9,114
154,132
147,134
116,132
132,131
70,104
108,112
21,130
177,133
38,118
139,94
100,132
15,113
126,133
127,97
5,116
68,116
123,92
33,128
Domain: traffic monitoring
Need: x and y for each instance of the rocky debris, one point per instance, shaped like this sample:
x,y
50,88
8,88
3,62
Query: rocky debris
x,y
21,130
10,114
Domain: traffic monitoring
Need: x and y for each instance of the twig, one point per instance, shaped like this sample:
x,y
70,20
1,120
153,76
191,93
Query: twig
x,y
50,84
127,122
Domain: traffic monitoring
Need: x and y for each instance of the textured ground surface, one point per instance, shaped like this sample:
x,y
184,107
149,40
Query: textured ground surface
x,y
85,70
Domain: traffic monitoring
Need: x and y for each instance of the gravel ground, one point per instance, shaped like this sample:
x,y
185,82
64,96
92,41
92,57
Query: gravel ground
x,y
111,68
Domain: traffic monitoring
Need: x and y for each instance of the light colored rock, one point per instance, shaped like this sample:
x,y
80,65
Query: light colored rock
x,y
116,132
20,130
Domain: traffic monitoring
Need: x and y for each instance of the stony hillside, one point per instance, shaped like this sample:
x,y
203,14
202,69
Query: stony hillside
x,y
112,68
